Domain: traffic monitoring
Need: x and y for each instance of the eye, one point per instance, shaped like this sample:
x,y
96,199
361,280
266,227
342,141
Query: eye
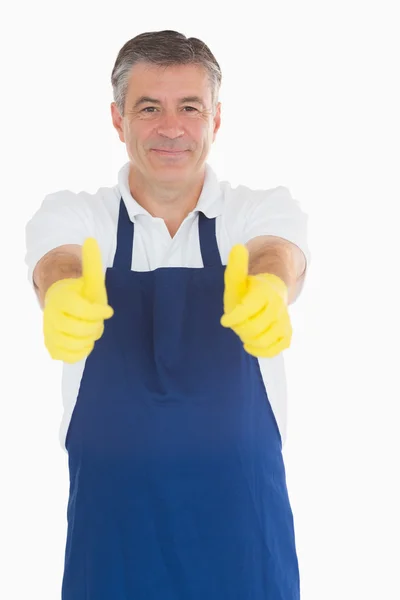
x,y
151,107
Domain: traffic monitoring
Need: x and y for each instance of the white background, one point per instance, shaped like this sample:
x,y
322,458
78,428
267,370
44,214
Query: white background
x,y
309,101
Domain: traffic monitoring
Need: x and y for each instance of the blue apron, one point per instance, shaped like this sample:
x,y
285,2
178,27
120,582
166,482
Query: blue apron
x,y
177,481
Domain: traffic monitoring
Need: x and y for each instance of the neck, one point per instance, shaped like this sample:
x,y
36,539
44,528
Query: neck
x,y
171,202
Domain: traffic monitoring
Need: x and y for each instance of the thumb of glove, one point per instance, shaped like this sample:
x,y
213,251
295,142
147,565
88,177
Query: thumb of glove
x,y
236,277
94,288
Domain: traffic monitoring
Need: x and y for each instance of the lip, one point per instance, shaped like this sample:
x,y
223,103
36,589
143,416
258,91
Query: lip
x,y
169,153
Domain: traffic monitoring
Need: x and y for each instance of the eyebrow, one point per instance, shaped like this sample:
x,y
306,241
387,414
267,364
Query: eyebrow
x,y
146,99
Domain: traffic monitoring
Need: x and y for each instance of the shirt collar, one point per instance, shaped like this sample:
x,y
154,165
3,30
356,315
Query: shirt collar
x,y
209,202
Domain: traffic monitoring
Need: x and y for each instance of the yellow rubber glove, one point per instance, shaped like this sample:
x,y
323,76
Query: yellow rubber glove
x,y
255,307
75,309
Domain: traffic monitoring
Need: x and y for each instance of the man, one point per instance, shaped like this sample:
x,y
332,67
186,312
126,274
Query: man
x,y
172,381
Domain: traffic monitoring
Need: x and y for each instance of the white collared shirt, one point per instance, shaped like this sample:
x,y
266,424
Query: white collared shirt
x,y
66,217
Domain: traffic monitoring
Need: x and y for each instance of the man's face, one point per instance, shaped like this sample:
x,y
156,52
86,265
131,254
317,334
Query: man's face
x,y
170,119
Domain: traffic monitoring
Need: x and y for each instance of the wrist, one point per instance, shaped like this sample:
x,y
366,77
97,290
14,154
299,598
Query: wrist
x,y
277,284
56,265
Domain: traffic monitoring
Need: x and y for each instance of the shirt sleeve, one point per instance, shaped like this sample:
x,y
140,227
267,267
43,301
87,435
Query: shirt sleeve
x,y
275,212
64,217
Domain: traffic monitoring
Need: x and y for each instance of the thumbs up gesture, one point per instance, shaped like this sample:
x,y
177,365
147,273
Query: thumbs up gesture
x,y
75,309
255,307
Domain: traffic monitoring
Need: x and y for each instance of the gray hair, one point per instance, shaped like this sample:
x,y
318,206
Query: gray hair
x,y
163,48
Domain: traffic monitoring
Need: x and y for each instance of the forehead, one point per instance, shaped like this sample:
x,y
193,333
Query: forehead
x,y
176,80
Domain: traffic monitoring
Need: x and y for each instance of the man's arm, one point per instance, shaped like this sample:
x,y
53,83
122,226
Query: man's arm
x,y
271,254
61,263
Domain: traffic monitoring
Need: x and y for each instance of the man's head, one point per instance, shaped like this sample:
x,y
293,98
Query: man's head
x,y
166,97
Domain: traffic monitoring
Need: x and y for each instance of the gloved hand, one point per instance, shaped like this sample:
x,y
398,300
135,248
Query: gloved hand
x,y
255,307
75,309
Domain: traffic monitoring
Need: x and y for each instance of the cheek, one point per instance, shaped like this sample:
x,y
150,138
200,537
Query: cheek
x,y
200,131
139,135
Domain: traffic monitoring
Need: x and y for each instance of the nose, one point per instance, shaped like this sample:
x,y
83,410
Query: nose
x,y
170,126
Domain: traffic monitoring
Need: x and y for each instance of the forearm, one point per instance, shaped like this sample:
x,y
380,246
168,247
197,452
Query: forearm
x,y
61,263
278,258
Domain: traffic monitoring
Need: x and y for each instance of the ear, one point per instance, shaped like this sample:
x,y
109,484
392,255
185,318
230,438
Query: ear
x,y
117,121
217,120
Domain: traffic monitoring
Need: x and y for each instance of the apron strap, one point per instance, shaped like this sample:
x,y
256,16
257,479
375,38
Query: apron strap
x,y
125,233
123,254
208,242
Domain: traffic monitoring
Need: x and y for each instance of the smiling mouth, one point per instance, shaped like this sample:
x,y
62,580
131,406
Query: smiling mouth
x,y
170,154
169,151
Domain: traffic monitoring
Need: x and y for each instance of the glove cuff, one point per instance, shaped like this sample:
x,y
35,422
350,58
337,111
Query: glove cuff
x,y
277,284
